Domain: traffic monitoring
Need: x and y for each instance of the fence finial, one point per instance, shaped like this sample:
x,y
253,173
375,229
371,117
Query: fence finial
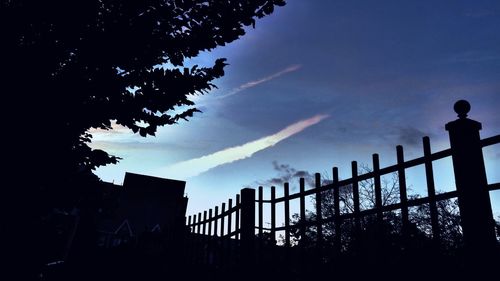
x,y
462,107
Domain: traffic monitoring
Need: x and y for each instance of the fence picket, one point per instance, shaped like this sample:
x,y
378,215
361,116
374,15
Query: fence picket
x,y
194,241
336,207
402,190
273,214
378,187
216,220
210,222
216,224
229,217
198,240
198,226
355,196
431,191
302,209
261,211
204,222
223,240
287,215
237,217
204,238
223,210
319,215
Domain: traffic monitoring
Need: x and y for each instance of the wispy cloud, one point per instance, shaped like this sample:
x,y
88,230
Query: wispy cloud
x,y
254,83
202,164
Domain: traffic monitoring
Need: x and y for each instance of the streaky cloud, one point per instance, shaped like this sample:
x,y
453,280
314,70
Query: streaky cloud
x,y
197,166
254,83
116,129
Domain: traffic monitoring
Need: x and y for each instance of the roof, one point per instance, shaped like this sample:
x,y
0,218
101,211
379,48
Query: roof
x,y
154,184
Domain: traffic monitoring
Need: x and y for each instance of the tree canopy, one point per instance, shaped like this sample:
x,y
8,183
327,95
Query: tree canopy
x,y
69,66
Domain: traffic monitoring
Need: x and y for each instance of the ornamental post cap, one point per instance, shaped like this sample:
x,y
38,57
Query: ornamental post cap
x,y
462,107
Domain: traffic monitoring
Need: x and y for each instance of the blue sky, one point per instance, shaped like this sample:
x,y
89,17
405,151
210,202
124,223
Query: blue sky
x,y
350,78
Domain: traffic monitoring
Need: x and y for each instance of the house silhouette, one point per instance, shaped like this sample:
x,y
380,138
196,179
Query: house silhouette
x,y
143,205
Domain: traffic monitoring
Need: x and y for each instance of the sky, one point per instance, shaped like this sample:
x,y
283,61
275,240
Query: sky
x,y
320,83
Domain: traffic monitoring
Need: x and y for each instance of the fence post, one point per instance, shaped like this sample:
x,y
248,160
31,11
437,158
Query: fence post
x,y
472,186
248,229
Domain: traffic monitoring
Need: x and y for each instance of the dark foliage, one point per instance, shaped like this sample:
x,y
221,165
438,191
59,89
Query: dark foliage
x,y
69,66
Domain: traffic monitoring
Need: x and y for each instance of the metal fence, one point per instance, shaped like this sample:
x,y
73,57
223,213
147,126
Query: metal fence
x,y
218,240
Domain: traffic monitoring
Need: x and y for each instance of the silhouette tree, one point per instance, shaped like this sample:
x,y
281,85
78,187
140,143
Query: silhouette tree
x,y
377,245
69,66
390,230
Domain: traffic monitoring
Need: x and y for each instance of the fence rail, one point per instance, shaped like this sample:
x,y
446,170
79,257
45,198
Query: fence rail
x,y
466,151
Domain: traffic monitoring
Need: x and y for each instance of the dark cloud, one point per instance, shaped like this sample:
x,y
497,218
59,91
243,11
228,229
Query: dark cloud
x,y
286,173
411,136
